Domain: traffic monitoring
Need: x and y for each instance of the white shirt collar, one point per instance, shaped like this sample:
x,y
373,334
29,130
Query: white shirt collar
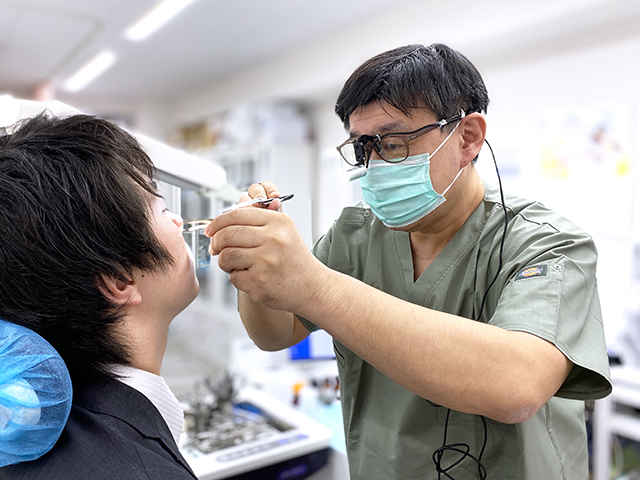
x,y
159,394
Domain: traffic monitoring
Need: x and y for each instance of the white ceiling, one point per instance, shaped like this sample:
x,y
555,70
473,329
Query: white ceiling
x,y
47,40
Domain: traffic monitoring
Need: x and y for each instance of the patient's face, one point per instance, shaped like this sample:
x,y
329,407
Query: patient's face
x,y
167,292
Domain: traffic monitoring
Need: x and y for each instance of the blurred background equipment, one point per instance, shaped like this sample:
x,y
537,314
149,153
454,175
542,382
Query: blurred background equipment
x,y
244,433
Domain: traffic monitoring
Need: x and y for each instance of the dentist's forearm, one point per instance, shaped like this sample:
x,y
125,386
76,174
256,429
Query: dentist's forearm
x,y
269,329
465,365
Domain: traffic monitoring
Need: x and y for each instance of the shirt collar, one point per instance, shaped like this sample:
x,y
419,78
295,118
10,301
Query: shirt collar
x,y
159,394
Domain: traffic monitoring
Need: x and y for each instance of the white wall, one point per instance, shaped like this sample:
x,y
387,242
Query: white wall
x,y
493,33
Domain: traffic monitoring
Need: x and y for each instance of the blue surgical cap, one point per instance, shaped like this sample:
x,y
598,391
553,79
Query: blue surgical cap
x,y
35,394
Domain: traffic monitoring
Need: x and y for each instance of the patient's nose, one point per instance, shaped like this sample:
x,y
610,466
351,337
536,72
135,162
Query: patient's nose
x,y
177,219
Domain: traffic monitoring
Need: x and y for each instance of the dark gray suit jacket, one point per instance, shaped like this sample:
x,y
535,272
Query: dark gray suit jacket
x,y
113,433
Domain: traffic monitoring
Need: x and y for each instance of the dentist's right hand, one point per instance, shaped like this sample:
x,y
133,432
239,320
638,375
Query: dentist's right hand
x,y
265,256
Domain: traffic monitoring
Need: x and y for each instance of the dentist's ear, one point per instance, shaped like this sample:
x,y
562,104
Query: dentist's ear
x,y
119,291
472,132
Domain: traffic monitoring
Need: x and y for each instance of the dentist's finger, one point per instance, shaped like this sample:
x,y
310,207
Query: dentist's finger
x,y
239,236
232,259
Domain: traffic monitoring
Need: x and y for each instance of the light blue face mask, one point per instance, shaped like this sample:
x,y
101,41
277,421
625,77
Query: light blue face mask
x,y
401,194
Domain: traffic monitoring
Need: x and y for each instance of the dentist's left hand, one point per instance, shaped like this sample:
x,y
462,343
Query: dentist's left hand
x,y
265,257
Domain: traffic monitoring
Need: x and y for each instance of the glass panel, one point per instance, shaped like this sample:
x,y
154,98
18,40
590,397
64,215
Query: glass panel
x,y
199,244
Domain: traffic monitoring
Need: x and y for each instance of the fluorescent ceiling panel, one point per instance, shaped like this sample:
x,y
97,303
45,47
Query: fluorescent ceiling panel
x,y
92,70
155,18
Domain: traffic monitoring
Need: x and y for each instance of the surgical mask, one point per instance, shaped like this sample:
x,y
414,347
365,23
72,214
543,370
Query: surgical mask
x,y
401,194
35,394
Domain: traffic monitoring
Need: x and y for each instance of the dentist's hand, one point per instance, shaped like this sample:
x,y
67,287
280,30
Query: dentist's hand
x,y
264,190
264,255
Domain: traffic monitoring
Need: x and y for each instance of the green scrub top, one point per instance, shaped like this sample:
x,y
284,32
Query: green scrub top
x,y
547,287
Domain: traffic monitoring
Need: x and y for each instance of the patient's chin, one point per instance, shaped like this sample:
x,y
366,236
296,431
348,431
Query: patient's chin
x,y
192,294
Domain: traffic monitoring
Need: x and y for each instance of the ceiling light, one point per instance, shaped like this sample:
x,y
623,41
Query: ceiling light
x,y
92,70
155,18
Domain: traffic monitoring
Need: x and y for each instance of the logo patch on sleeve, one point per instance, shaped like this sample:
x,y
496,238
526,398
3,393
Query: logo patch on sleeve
x,y
531,272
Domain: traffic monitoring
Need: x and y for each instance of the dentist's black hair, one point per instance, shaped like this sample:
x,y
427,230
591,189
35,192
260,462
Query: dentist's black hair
x,y
436,77
74,206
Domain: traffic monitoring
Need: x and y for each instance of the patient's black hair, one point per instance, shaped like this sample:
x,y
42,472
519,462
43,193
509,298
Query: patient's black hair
x,y
74,205
436,77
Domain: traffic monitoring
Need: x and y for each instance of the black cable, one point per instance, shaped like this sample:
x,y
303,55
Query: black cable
x,y
461,448
464,448
504,233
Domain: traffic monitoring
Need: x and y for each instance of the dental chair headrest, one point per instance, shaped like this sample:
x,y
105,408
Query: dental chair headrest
x,y
35,394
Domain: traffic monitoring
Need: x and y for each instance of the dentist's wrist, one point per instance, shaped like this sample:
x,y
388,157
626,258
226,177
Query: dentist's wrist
x,y
321,293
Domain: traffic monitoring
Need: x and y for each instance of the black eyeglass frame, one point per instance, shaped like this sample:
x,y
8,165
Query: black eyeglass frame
x,y
364,144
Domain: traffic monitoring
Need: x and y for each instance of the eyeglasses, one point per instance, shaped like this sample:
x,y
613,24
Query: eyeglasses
x,y
390,147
